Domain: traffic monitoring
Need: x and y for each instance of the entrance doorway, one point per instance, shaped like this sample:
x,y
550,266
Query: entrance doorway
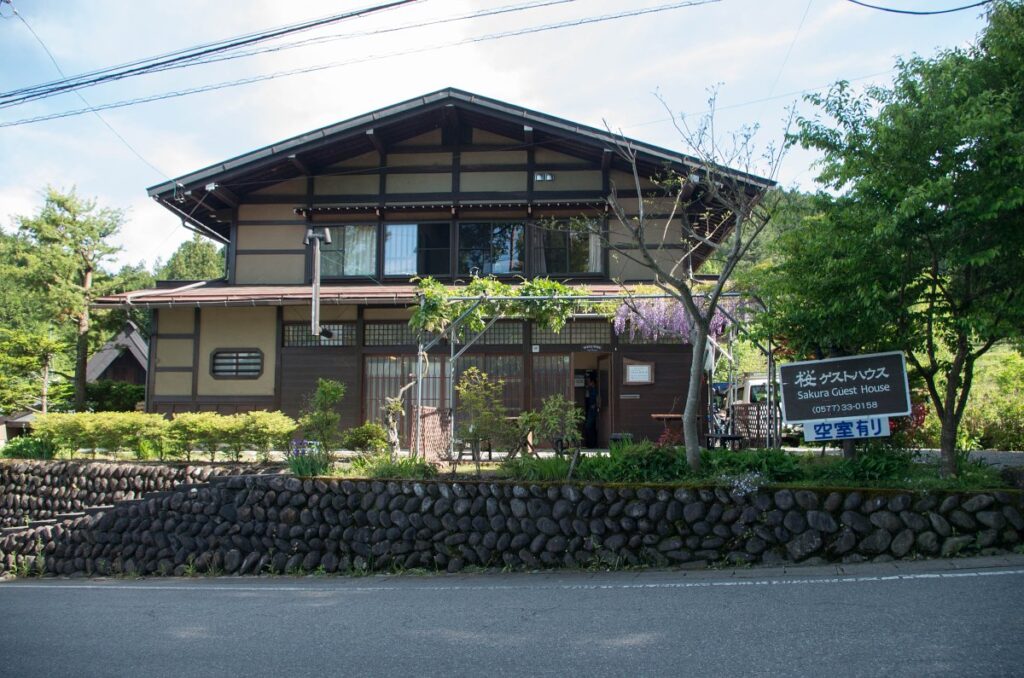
x,y
593,368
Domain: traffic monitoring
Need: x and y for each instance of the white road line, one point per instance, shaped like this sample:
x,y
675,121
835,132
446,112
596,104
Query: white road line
x,y
15,585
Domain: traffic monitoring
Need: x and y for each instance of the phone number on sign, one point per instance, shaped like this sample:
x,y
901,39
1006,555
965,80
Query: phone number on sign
x,y
845,407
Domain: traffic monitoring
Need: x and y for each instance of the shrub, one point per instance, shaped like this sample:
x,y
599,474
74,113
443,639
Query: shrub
x,y
143,433
28,447
113,396
320,420
559,423
773,465
203,431
481,413
517,436
68,432
876,462
536,469
265,431
383,466
306,458
636,462
369,438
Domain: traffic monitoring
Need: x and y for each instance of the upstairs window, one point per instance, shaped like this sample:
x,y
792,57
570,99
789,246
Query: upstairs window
x,y
491,248
352,252
417,249
565,251
236,363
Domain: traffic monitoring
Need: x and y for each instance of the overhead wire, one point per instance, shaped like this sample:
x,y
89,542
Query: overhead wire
x,y
751,102
337,64
789,50
140,66
107,124
506,9
895,10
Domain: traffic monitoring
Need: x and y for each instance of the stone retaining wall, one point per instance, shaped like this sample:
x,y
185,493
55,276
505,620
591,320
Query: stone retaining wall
x,y
254,524
31,490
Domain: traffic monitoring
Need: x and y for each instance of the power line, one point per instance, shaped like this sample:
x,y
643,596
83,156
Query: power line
x,y
751,102
337,64
148,64
96,113
894,10
789,51
380,31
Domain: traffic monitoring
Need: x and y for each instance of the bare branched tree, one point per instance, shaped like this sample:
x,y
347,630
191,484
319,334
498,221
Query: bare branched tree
x,y
718,208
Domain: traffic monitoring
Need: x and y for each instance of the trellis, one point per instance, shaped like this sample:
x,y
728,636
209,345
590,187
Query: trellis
x,y
502,305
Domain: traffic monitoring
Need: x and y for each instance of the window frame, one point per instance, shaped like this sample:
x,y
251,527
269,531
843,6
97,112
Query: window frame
x,y
213,361
537,250
376,251
382,237
524,252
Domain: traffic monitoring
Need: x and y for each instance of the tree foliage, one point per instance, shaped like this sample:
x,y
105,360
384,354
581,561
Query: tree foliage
x,y
27,360
195,259
920,245
68,244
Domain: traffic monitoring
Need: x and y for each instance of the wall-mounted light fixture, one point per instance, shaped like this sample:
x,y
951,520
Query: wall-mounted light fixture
x,y
543,176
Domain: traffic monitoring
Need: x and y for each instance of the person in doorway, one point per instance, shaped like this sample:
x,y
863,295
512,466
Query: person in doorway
x,y
590,405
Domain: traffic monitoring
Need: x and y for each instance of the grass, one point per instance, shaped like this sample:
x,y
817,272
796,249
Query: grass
x,y
875,467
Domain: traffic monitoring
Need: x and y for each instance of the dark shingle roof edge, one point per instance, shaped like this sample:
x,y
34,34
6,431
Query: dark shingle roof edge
x,y
291,144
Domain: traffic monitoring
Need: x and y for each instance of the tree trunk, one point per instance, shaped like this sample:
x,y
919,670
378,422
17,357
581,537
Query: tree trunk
x,y
849,450
691,421
81,358
947,444
82,345
46,385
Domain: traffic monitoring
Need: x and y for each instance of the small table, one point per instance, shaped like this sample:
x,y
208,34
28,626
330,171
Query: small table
x,y
667,417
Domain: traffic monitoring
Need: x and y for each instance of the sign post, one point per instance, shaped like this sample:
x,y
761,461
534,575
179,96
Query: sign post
x,y
848,397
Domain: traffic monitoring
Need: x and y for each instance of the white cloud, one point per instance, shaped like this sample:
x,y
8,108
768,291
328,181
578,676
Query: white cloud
x,y
590,73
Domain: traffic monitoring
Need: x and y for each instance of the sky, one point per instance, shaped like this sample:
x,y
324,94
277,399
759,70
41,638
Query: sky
x,y
631,74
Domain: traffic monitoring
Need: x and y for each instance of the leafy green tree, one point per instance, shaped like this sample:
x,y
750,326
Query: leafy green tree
x,y
26,369
195,259
68,242
321,419
923,246
108,323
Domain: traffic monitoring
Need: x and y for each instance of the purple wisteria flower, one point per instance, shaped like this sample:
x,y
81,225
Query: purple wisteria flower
x,y
655,319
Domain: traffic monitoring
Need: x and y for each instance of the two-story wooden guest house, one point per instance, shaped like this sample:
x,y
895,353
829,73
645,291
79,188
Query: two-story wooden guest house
x,y
447,185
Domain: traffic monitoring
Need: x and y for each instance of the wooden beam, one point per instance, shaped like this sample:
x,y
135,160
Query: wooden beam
x,y
299,165
528,134
450,116
223,193
377,142
606,159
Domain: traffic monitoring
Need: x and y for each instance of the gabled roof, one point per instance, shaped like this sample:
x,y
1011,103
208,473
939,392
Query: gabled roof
x,y
306,153
128,339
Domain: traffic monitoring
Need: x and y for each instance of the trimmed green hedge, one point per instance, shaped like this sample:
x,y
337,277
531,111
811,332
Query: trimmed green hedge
x,y
151,435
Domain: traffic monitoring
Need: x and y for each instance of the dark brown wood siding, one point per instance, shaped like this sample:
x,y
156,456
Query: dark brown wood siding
x,y
666,395
170,405
300,369
125,368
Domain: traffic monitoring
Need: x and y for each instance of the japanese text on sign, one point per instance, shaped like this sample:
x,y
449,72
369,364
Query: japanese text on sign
x,y
873,385
844,429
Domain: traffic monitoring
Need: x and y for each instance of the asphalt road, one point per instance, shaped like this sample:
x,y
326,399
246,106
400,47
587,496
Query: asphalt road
x,y
952,618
